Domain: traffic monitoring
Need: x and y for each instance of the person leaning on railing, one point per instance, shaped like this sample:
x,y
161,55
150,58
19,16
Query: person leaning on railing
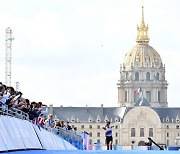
x,y
13,100
68,127
49,123
57,123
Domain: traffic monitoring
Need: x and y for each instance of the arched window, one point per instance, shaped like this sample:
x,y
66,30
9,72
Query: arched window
x,y
148,96
136,76
147,76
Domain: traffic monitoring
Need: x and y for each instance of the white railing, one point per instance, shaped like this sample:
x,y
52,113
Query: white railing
x,y
4,110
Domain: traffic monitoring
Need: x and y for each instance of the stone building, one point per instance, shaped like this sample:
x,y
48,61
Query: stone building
x,y
140,114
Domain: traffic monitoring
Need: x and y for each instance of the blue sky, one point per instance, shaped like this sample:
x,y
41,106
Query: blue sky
x,y
68,52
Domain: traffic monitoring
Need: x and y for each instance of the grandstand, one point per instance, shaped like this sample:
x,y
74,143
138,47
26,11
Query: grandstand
x,y
24,125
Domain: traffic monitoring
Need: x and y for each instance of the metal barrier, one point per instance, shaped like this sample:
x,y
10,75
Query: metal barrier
x,y
67,134
4,110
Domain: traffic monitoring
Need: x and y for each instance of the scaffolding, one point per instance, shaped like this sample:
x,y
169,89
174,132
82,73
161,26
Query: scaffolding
x,y
8,56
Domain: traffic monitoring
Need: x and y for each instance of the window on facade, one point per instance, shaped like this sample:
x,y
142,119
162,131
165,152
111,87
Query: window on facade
x,y
150,132
148,96
167,127
159,96
157,76
133,133
116,142
126,96
98,134
126,76
98,141
90,134
167,134
177,126
98,126
178,134
148,76
136,76
90,142
167,143
90,126
116,126
82,126
136,96
141,132
116,135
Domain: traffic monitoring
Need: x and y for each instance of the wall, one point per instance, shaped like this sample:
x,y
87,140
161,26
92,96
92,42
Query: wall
x,y
18,134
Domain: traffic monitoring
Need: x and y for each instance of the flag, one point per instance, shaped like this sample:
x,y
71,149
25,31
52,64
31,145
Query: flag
x,y
139,90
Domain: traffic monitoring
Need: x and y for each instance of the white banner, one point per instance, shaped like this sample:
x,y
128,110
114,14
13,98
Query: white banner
x,y
28,134
3,146
40,133
6,135
17,134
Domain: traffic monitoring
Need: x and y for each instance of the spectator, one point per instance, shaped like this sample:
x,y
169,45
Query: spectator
x,y
6,96
33,111
68,127
75,130
40,121
49,123
22,105
62,125
26,110
57,124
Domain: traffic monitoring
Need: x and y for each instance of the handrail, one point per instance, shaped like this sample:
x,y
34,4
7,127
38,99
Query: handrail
x,y
67,134
4,110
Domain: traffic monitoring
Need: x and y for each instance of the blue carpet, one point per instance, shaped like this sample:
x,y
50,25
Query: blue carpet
x,y
92,152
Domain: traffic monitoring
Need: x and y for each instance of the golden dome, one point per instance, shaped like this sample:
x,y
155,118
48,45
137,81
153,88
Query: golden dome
x,y
142,55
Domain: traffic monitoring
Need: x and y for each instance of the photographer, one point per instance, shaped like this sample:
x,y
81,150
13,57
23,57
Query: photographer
x,y
7,95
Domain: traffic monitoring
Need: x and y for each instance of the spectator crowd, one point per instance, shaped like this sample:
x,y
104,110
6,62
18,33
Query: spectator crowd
x,y
38,112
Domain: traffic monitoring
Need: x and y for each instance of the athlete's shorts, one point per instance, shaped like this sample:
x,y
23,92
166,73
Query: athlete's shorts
x,y
108,139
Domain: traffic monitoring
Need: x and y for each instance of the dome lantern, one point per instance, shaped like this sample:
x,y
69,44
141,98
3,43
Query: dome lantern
x,y
142,31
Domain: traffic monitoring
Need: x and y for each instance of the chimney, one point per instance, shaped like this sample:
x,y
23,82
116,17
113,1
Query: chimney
x,y
51,109
101,109
86,108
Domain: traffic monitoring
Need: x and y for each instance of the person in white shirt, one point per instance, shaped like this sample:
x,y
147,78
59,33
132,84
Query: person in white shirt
x,y
108,133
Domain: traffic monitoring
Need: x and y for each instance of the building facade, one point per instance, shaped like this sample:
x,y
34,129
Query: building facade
x,y
142,67
142,110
